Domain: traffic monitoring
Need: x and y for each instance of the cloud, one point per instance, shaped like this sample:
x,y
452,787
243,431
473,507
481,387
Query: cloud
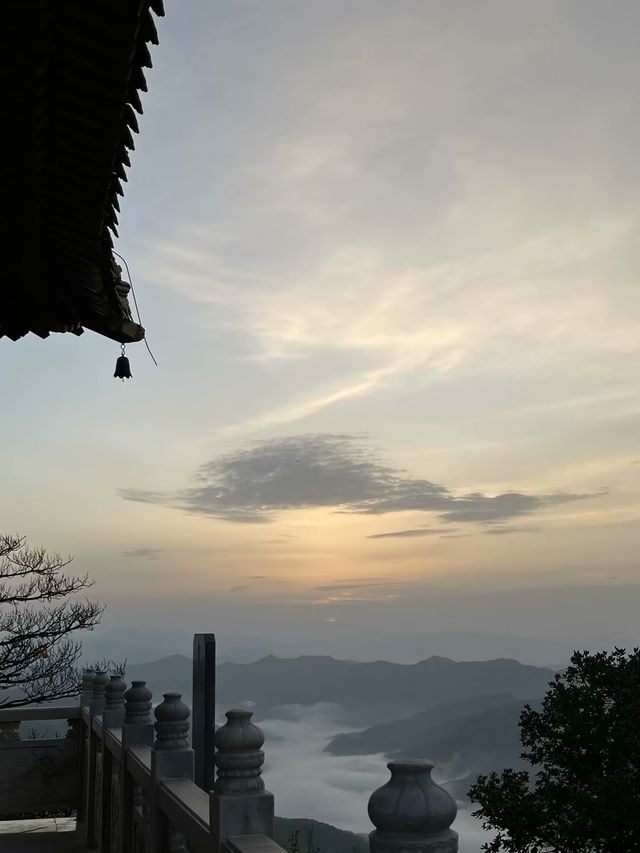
x,y
505,531
144,553
407,534
341,472
309,782
364,584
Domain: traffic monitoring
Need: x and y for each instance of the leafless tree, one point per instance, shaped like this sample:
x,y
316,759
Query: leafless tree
x,y
40,612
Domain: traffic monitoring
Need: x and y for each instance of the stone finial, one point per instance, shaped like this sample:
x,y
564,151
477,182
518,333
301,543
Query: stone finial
x,y
137,728
239,757
172,724
100,681
113,714
137,704
412,813
86,690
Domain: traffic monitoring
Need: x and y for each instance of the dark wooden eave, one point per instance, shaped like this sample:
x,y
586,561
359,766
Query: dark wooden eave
x,y
74,73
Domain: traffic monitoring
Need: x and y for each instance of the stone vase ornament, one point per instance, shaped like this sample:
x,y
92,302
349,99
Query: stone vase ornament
x,y
172,724
99,686
411,813
239,757
138,702
113,713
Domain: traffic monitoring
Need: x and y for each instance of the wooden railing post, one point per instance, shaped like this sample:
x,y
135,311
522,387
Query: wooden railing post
x,y
239,803
412,813
137,730
171,758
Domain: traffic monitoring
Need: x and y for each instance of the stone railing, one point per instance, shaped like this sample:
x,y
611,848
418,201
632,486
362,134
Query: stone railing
x,y
129,771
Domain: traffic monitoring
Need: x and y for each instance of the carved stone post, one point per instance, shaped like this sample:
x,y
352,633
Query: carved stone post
x,y
239,803
137,727
171,758
99,686
86,690
411,813
93,774
137,730
112,718
113,714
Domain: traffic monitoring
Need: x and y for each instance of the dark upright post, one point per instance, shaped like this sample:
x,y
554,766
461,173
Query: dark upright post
x,y
203,711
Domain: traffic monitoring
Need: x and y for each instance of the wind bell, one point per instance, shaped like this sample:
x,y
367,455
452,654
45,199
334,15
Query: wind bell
x,y
123,369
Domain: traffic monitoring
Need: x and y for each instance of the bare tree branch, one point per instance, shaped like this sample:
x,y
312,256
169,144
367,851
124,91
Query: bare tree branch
x,y
39,616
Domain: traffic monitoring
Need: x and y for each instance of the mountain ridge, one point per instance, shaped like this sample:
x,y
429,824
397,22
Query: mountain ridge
x,y
365,692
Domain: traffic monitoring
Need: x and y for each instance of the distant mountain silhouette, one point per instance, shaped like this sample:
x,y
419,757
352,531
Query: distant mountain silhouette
x,y
316,835
395,737
463,738
368,693
170,674
377,691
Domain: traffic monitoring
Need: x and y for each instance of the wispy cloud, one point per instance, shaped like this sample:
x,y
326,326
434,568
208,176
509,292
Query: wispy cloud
x,y
341,472
144,553
342,586
507,531
413,245
409,534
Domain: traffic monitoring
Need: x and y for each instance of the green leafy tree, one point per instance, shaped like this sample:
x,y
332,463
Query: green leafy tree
x,y
583,794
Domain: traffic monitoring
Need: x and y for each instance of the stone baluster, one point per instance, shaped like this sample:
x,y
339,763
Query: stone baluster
x,y
137,730
239,803
113,714
99,685
112,775
92,806
171,758
86,691
137,727
412,813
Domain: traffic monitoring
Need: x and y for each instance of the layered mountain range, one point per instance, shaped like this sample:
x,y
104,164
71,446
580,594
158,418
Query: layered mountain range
x,y
365,693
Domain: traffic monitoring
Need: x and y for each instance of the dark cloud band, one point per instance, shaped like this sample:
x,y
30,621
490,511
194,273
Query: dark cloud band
x,y
336,471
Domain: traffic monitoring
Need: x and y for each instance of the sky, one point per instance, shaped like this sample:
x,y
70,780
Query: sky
x,y
387,257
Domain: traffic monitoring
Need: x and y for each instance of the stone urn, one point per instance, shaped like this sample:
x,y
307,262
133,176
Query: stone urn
x,y
411,813
239,757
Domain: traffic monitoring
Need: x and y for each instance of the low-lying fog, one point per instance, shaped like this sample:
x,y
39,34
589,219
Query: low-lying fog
x,y
308,782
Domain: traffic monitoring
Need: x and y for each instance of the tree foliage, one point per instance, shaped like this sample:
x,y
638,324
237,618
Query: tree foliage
x,y
583,795
40,612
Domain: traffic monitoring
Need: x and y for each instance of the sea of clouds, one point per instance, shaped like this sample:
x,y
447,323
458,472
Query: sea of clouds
x,y
308,782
